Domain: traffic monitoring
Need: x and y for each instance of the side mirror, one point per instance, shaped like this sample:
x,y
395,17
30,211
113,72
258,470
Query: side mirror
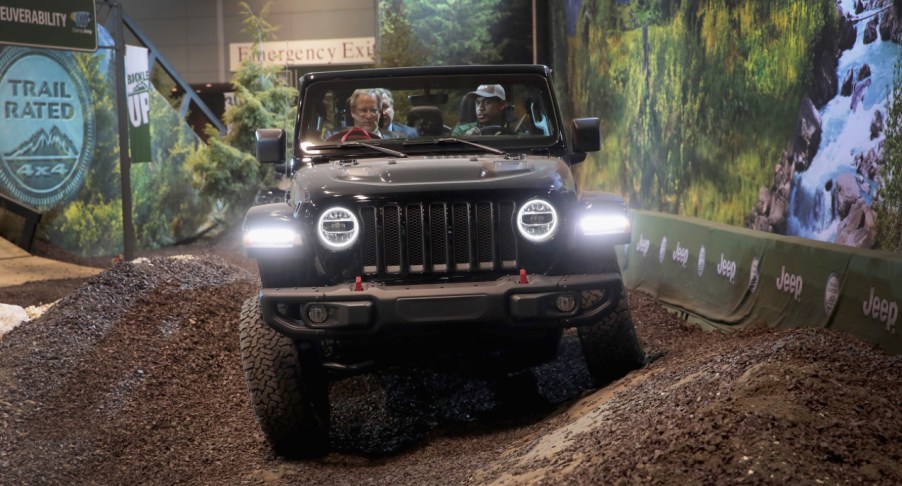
x,y
270,146
586,135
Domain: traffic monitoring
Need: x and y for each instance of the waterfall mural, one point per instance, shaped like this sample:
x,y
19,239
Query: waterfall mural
x,y
767,114
844,171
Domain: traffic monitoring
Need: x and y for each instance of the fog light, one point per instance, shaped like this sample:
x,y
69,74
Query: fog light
x,y
317,313
565,302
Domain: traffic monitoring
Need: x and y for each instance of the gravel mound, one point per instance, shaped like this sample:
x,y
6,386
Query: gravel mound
x,y
135,378
801,406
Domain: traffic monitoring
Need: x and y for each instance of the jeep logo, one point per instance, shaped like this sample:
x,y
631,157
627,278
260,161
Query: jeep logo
x,y
663,250
701,261
790,283
831,292
642,245
883,310
754,274
726,268
680,255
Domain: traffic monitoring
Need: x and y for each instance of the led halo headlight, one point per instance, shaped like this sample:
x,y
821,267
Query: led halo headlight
x,y
337,228
537,221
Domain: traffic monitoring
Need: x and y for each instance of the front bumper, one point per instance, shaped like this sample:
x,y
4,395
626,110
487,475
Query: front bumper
x,y
344,311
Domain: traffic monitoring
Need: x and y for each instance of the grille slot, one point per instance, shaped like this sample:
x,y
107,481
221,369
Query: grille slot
x,y
416,248
370,238
392,228
438,225
485,249
506,226
461,233
438,237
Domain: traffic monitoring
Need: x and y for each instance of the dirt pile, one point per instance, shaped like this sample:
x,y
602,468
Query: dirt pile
x,y
804,406
135,378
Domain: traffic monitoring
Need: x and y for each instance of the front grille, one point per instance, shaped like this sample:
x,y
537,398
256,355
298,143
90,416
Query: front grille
x,y
438,237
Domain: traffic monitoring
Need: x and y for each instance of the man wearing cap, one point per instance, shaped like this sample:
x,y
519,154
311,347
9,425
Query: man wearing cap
x,y
490,105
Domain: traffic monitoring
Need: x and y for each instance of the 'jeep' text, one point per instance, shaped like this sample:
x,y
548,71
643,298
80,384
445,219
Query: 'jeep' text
x,y
726,268
642,245
790,283
883,310
681,255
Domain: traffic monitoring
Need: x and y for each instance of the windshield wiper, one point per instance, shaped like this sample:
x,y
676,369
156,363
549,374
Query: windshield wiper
x,y
441,141
313,149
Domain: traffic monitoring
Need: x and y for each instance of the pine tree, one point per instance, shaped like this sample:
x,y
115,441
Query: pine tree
x,y
398,43
225,169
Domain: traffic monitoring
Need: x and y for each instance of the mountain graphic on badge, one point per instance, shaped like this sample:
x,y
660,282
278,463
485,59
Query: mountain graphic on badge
x,y
141,87
42,144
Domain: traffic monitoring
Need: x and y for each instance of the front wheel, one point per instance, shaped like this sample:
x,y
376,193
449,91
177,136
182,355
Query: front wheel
x,y
610,346
290,397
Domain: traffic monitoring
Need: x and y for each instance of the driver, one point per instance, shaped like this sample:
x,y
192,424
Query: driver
x,y
490,106
365,109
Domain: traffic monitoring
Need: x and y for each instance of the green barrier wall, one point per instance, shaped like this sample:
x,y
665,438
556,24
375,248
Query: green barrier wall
x,y
734,277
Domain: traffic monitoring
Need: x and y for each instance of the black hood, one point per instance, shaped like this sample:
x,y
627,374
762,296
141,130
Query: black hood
x,y
379,177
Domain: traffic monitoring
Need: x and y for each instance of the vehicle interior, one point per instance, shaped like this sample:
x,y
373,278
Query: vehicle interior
x,y
430,108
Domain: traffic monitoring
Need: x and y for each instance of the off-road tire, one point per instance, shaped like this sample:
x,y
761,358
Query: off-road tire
x,y
610,346
290,397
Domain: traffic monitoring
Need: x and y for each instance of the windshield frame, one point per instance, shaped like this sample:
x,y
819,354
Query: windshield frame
x,y
535,79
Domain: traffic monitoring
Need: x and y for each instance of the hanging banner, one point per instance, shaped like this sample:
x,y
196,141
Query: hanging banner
x,y
736,277
137,89
57,24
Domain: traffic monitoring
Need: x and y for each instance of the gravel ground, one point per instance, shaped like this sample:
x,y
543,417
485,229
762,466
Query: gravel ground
x,y
134,378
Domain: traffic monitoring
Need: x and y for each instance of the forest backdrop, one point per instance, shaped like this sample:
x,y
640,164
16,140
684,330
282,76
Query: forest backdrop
x,y
779,115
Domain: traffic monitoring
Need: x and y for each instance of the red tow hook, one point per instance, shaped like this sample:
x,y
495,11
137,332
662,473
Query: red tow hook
x,y
358,284
523,276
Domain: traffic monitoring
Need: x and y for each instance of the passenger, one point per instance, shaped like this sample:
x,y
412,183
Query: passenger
x,y
387,126
365,109
490,110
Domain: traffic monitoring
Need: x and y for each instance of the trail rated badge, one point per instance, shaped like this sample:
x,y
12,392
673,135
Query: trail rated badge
x,y
47,122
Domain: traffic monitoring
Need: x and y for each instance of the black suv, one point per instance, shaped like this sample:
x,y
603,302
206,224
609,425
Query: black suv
x,y
427,244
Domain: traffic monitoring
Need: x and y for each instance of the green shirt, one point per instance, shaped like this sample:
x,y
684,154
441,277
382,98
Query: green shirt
x,y
463,128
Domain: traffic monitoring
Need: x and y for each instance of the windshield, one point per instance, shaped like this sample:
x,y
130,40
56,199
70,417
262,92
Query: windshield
x,y
414,114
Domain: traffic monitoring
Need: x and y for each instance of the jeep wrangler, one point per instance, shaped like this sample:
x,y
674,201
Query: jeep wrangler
x,y
419,247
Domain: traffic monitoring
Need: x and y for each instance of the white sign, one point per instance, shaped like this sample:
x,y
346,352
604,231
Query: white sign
x,y
137,88
357,50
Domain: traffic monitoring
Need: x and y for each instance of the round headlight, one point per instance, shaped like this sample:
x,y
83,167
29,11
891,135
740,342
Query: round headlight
x,y
337,228
537,220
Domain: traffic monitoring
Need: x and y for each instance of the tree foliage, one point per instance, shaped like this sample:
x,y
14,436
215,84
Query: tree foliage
x,y
457,31
88,224
225,169
696,97
422,32
167,209
398,43
889,193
